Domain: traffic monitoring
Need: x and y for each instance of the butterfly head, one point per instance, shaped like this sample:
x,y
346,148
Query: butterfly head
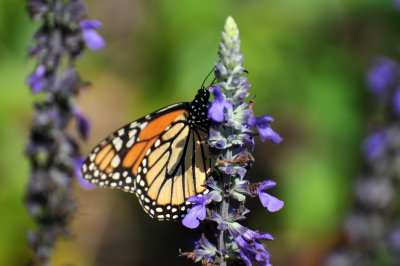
x,y
198,109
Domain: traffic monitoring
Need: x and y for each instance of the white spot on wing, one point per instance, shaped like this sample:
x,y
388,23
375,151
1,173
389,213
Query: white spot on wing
x,y
134,124
143,125
121,132
128,180
117,143
130,143
115,176
132,133
157,143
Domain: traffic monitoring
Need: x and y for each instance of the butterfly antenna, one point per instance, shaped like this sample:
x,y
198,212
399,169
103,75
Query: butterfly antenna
x,y
212,70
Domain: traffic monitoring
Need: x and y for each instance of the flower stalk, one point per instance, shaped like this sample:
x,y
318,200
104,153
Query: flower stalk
x,y
51,149
231,133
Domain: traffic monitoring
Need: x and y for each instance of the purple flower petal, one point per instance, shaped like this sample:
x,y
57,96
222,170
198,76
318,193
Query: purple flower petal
x,y
251,235
267,184
90,24
218,105
271,203
262,254
198,200
264,129
196,213
375,144
246,259
92,39
83,123
381,75
78,174
35,80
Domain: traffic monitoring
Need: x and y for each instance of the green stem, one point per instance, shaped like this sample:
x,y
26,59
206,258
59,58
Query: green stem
x,y
225,203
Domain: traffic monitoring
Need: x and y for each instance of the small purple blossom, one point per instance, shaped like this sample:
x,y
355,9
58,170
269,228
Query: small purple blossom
x,y
264,129
375,144
218,105
271,203
381,75
255,252
197,212
82,123
35,80
92,38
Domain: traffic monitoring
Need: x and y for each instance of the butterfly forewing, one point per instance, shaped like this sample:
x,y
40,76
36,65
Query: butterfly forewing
x,y
162,158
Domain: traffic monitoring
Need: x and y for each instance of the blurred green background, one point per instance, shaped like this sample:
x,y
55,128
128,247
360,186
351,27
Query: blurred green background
x,y
306,61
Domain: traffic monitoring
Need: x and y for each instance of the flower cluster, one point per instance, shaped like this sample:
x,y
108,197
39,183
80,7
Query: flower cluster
x,y
62,36
368,226
232,124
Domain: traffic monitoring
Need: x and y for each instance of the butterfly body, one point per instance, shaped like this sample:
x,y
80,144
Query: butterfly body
x,y
162,158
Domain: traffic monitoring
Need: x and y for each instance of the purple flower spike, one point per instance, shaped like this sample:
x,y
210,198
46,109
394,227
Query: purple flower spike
x,y
381,75
271,203
264,129
92,39
197,212
35,81
218,105
375,144
78,174
396,101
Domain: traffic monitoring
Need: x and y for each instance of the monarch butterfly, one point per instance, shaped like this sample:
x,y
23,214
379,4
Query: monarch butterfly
x,y
162,158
